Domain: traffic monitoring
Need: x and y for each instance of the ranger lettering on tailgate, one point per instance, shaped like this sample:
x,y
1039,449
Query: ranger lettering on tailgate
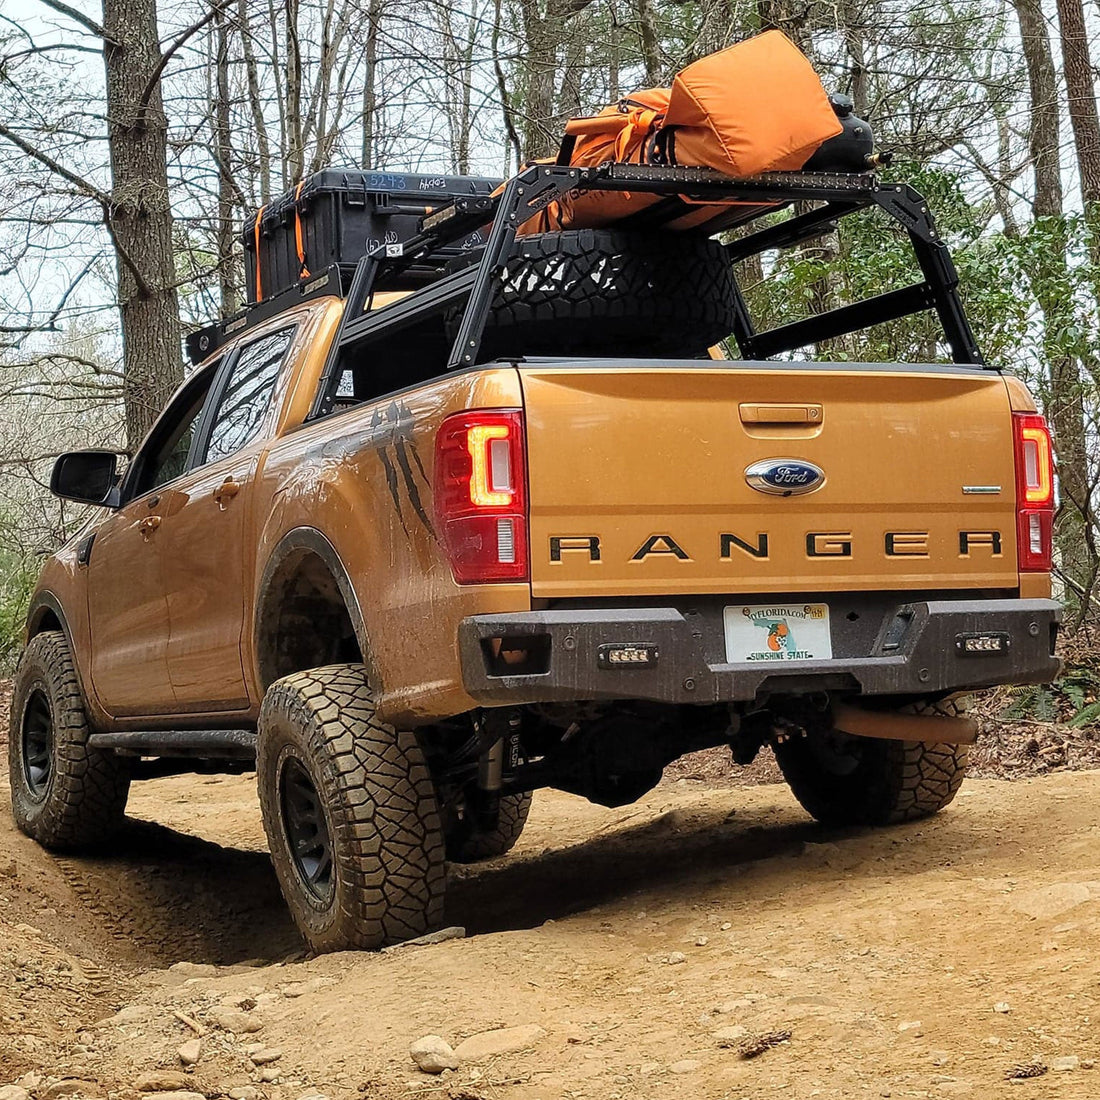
x,y
819,544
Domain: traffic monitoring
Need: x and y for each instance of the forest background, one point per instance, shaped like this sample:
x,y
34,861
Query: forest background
x,y
136,137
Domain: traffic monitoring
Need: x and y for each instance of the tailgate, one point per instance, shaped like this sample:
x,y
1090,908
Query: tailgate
x,y
638,483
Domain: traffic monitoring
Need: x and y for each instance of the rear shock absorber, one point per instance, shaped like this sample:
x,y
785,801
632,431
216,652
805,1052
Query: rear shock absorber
x,y
503,749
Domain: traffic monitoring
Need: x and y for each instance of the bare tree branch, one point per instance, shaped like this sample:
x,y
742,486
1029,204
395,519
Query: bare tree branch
x,y
78,182
79,17
180,40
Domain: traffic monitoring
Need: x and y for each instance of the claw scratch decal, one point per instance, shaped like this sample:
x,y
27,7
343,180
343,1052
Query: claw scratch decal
x,y
397,451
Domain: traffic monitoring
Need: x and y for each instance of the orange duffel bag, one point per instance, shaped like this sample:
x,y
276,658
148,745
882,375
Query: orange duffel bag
x,y
755,107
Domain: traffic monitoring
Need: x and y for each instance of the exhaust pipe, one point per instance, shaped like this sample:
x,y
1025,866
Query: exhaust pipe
x,y
932,729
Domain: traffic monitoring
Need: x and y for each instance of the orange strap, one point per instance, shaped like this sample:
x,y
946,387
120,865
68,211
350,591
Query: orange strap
x,y
259,280
639,122
303,271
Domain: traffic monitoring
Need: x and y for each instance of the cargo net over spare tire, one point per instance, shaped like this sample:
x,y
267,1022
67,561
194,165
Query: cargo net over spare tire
x,y
606,292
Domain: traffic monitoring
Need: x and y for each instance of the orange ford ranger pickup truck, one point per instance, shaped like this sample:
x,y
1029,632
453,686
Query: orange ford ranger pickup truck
x,y
413,554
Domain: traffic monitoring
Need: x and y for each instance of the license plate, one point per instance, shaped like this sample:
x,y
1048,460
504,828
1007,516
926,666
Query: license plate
x,y
778,632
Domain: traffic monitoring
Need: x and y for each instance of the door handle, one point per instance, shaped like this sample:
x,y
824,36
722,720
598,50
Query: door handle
x,y
225,492
754,412
148,525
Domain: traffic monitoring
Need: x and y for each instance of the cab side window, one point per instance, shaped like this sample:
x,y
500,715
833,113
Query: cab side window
x,y
164,458
246,396
170,460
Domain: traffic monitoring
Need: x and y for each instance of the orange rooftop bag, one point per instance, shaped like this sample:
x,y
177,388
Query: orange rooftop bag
x,y
755,107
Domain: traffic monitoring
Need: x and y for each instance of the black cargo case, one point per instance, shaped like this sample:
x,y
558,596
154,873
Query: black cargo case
x,y
338,215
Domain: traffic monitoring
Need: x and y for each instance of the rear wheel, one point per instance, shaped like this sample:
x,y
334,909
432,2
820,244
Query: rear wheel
x,y
63,794
845,780
350,813
467,843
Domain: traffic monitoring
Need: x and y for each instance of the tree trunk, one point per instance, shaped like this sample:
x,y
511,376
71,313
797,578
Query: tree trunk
x,y
296,150
573,71
512,152
370,104
1050,283
613,70
228,274
1081,94
650,41
255,105
1080,91
855,43
1042,137
780,15
543,39
462,151
277,70
140,218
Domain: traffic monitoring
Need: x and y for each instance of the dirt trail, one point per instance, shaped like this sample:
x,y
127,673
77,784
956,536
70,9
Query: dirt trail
x,y
630,937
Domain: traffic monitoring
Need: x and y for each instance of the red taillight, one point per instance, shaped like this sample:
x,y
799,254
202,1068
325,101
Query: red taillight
x,y
1034,493
481,495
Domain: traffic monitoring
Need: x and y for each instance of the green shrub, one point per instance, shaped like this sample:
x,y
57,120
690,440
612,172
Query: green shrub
x,y
17,575
1073,700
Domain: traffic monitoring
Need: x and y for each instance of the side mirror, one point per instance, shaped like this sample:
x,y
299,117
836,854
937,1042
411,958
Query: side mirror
x,y
88,477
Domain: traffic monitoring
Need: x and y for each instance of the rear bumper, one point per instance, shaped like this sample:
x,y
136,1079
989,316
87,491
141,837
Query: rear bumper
x,y
922,657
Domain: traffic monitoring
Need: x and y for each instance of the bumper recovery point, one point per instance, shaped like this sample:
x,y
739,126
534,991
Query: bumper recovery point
x,y
668,655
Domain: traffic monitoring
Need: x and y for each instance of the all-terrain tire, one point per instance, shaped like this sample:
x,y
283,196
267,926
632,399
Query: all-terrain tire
x,y
468,844
323,757
609,292
843,780
64,794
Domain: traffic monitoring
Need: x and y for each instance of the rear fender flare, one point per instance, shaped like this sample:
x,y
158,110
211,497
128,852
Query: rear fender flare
x,y
315,542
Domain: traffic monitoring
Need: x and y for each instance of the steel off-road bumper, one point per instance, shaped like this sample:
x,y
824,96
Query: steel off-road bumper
x,y
916,648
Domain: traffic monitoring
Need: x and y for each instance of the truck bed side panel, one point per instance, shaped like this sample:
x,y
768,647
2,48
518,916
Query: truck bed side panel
x,y
363,479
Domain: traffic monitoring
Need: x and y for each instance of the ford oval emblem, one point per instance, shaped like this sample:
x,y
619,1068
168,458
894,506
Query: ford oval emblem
x,y
785,477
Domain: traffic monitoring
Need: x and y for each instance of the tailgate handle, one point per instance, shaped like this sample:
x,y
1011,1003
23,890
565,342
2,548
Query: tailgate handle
x,y
753,412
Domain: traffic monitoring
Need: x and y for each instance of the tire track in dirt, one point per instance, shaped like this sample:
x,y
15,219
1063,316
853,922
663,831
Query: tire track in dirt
x,y
161,896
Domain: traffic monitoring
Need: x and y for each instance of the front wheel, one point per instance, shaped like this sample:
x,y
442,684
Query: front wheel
x,y
350,813
845,780
64,794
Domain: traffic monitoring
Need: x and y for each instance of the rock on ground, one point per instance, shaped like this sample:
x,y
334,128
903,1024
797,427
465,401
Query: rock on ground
x,y
685,1065
455,932
504,1040
433,1054
70,1086
162,1080
239,1023
190,1052
1053,900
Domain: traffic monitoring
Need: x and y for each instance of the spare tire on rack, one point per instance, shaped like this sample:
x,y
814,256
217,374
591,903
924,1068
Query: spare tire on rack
x,y
608,292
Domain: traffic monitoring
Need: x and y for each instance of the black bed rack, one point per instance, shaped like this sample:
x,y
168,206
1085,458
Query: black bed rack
x,y
532,190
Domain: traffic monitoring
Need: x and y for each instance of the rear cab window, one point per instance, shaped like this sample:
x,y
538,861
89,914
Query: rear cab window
x,y
245,395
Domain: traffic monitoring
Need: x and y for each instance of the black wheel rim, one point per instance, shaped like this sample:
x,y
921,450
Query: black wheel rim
x,y
37,744
306,830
